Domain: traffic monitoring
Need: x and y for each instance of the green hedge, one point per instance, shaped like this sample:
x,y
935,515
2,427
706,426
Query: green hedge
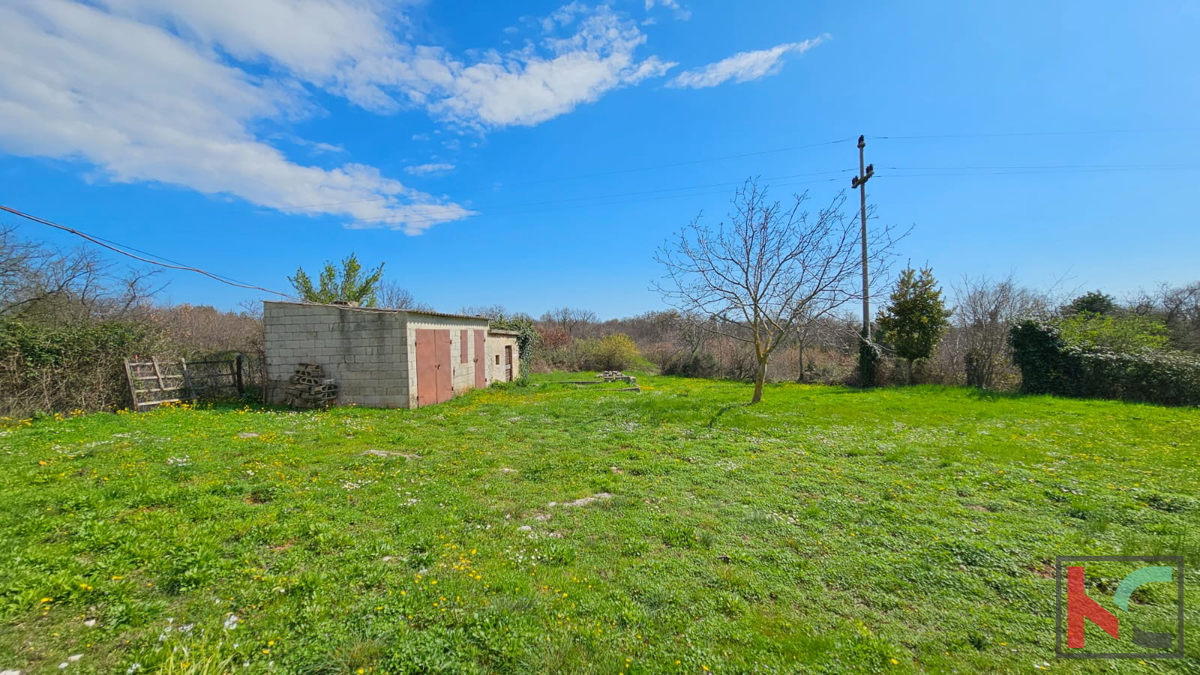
x,y
1049,365
70,366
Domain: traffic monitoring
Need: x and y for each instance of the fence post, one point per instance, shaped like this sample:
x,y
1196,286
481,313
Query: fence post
x,y
132,386
239,362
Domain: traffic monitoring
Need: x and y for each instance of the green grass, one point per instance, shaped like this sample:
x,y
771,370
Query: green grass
x,y
825,529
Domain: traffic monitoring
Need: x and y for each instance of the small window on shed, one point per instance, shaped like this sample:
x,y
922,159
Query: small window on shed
x,y
497,359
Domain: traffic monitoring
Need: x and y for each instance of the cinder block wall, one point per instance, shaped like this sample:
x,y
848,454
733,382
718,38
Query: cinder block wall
x,y
365,351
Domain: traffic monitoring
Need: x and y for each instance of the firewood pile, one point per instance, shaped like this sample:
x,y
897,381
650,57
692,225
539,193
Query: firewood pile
x,y
309,388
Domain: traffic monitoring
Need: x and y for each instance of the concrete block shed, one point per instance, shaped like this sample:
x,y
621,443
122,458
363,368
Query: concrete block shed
x,y
386,358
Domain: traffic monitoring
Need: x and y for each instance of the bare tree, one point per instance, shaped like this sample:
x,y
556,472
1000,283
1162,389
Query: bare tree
x,y
391,295
768,270
809,332
19,261
1177,307
984,309
493,312
39,281
569,319
205,330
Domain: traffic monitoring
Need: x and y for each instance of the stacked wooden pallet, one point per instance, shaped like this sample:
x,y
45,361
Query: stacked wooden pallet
x,y
153,383
309,388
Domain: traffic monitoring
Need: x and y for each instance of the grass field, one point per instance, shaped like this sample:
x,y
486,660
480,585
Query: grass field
x,y
825,529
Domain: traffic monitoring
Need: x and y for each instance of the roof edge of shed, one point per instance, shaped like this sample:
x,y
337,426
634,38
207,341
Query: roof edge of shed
x,y
379,310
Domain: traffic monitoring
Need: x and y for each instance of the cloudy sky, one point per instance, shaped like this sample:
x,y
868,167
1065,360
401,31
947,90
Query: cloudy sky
x,y
533,154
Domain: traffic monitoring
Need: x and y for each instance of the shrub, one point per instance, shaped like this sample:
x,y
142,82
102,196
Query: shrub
x,y
914,321
1038,350
693,364
975,362
527,333
868,363
614,352
76,366
1049,365
552,338
1113,333
1092,302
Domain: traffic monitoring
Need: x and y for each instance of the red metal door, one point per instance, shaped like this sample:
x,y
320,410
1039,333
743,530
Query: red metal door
x,y
508,363
480,360
426,367
445,376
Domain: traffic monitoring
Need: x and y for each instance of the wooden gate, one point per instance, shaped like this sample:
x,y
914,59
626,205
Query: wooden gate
x,y
218,378
481,365
434,376
508,363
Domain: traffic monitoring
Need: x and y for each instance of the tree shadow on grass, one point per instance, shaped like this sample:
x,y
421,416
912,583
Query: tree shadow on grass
x,y
992,395
724,409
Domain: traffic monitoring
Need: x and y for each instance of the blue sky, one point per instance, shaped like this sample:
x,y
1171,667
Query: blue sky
x,y
535,154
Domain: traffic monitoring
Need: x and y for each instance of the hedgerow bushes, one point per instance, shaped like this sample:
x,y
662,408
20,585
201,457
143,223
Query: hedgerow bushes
x,y
612,352
692,364
71,366
1050,364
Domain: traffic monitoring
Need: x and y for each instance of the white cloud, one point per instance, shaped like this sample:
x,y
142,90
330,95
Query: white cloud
x,y
312,39
190,92
426,169
327,147
743,66
346,47
564,16
517,88
143,105
681,13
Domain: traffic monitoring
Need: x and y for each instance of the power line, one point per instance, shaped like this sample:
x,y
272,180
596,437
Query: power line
x,y
1037,133
685,163
755,154
119,248
1044,166
567,203
685,191
951,173
160,257
500,209
600,174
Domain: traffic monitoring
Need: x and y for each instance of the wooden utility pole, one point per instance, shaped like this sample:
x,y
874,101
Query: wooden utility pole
x,y
860,182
